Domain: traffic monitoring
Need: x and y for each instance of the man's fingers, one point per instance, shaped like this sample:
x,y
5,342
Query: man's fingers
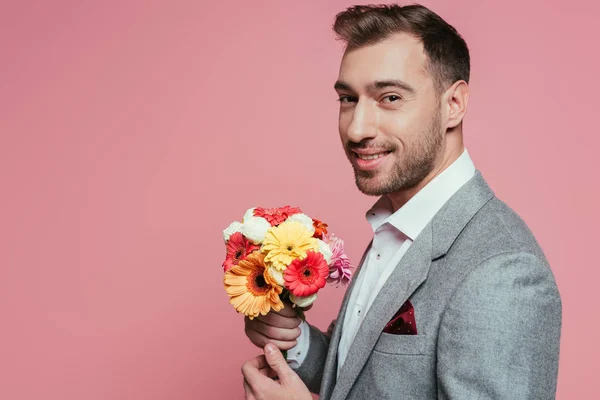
x,y
282,345
258,362
276,361
253,377
268,371
248,391
287,311
280,321
273,332
261,340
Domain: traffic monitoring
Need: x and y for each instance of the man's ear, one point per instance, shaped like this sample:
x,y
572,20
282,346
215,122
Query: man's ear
x,y
454,103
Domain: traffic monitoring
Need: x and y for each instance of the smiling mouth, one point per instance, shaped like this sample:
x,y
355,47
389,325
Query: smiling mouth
x,y
372,156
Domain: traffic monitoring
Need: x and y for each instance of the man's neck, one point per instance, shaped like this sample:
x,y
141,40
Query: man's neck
x,y
400,198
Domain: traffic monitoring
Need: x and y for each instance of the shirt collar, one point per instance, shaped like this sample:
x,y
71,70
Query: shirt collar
x,y
412,217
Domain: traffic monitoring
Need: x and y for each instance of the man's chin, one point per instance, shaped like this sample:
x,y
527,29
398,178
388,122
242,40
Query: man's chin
x,y
370,186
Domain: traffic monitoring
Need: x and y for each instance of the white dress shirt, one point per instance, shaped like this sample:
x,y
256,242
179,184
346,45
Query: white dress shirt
x,y
393,233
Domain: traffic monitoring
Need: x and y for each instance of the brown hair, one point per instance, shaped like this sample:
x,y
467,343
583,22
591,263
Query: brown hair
x,y
447,52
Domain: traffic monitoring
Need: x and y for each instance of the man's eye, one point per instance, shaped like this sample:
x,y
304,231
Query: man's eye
x,y
347,99
391,98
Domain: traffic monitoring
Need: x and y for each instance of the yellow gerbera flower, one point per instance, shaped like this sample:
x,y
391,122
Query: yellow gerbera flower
x,y
286,242
252,291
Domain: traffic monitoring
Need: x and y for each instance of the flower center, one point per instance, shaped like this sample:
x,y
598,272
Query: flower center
x,y
290,248
257,285
238,254
306,273
260,281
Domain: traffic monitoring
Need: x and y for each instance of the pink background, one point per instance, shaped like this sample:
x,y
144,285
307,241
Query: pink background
x,y
133,132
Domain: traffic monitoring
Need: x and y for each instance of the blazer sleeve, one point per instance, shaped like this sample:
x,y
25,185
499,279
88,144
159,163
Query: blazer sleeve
x,y
499,336
311,369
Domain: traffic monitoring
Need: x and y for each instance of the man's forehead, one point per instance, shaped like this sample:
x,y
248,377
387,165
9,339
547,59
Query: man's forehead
x,y
401,56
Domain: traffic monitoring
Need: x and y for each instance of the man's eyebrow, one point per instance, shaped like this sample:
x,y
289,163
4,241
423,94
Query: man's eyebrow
x,y
339,85
377,85
373,86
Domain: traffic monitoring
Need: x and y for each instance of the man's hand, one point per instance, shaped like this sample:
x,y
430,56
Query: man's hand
x,y
280,328
260,371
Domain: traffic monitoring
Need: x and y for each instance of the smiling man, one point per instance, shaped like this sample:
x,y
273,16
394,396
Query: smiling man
x,y
453,298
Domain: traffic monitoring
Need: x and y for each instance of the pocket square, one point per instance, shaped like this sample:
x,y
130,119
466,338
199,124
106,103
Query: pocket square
x,y
403,322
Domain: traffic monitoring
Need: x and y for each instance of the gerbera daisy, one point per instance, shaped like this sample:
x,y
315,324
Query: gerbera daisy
x,y
238,247
320,228
339,266
251,289
286,242
305,277
276,216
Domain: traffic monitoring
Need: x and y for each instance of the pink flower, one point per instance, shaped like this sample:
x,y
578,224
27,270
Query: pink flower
x,y
339,267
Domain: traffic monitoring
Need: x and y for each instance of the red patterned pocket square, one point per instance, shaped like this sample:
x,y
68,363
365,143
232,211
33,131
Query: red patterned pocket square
x,y
403,322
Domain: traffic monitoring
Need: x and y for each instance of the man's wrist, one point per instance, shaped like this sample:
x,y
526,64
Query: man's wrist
x,y
297,354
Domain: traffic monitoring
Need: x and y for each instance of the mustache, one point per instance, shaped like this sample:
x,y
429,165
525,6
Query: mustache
x,y
369,144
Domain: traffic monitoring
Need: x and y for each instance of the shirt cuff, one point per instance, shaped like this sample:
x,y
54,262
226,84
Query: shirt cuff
x,y
297,354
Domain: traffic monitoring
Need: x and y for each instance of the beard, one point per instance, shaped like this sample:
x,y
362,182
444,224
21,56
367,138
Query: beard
x,y
417,161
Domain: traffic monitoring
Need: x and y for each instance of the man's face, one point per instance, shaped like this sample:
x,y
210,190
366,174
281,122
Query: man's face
x,y
389,121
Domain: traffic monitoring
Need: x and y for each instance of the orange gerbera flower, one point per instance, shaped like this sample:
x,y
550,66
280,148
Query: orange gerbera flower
x,y
252,291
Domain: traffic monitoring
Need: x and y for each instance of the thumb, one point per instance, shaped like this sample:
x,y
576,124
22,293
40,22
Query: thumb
x,y
277,362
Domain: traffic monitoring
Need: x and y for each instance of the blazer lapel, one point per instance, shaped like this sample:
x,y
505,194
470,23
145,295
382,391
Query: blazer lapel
x,y
404,280
330,369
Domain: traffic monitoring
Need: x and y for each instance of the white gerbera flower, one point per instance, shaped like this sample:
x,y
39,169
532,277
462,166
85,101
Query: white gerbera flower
x,y
248,214
303,301
277,276
255,229
234,227
325,250
304,220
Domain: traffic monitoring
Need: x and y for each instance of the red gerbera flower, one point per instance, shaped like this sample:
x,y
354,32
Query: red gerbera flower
x,y
320,229
238,247
275,216
305,277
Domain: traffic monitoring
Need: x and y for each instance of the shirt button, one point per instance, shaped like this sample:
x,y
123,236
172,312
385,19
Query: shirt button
x,y
378,256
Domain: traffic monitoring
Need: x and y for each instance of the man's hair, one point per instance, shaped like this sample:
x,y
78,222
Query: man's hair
x,y
447,53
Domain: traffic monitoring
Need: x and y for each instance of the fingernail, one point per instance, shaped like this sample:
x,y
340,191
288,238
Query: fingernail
x,y
270,348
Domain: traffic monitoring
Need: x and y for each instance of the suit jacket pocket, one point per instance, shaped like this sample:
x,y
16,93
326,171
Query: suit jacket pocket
x,y
401,344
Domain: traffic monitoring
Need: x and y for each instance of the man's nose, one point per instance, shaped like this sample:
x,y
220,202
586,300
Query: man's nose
x,y
363,124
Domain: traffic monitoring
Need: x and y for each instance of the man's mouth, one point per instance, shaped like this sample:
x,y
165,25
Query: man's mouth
x,y
372,156
370,160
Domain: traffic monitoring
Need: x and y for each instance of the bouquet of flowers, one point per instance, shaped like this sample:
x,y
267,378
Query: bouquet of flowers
x,y
279,254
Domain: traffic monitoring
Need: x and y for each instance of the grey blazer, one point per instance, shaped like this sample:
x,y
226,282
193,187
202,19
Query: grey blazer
x,y
487,310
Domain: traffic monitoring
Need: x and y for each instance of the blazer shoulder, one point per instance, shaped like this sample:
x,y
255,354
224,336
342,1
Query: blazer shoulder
x,y
497,229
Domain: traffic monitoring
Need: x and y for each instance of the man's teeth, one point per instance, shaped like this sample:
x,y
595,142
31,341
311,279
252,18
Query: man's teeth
x,y
371,156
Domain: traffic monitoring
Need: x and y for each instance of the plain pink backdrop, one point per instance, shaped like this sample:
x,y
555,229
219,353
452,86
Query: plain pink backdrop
x,y
133,132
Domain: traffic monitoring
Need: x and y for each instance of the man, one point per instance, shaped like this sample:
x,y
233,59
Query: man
x,y
454,298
